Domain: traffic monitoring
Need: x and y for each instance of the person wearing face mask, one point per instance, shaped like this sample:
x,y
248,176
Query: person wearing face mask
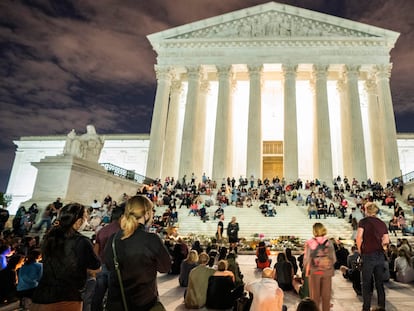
x,y
140,255
67,256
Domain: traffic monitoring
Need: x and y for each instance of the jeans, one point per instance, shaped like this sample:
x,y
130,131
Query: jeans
x,y
373,266
46,221
100,289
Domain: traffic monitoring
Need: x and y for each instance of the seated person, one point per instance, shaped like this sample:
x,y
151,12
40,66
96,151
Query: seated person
x,y
409,230
193,209
203,213
283,199
312,210
219,211
270,210
263,207
331,209
283,272
404,267
262,254
220,288
351,270
294,194
196,294
234,267
266,293
393,225
186,266
299,200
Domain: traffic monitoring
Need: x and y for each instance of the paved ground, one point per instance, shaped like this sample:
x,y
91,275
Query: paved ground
x,y
399,296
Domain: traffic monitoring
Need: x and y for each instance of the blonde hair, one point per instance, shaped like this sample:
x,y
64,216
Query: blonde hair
x,y
319,229
136,208
371,209
192,256
222,265
203,258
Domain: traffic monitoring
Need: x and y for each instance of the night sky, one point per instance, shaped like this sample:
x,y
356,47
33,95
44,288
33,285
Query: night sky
x,y
65,64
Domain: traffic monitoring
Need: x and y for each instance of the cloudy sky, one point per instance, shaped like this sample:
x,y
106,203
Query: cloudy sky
x,y
65,64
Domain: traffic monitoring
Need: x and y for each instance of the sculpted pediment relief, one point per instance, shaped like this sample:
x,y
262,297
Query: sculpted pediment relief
x,y
272,24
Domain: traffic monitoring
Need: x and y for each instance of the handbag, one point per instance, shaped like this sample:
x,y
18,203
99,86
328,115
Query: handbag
x,y
118,273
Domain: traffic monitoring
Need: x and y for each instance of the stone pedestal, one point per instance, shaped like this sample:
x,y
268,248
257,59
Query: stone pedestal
x,y
76,180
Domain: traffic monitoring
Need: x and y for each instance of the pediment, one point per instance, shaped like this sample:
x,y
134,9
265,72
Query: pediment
x,y
272,21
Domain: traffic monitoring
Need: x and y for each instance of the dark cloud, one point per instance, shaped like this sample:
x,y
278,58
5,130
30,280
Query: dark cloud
x,y
65,64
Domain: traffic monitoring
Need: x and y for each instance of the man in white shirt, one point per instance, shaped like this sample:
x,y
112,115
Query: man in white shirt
x,y
267,296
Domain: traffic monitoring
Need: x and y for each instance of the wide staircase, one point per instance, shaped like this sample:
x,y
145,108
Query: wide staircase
x,y
290,220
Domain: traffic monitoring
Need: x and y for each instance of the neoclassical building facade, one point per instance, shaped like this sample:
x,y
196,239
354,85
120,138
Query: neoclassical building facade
x,y
274,90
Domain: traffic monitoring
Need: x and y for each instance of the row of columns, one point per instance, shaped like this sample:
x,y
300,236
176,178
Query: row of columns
x,y
166,154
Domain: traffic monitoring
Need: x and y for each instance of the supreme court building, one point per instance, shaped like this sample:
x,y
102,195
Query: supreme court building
x,y
274,90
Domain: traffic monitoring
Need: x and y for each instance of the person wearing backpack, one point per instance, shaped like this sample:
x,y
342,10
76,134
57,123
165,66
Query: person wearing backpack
x,y
319,262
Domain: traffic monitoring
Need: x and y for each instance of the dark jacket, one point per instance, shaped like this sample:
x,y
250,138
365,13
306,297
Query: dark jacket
x,y
64,276
140,257
220,292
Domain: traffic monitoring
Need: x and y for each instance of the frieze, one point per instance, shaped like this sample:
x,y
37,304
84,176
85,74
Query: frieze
x,y
201,44
330,51
272,24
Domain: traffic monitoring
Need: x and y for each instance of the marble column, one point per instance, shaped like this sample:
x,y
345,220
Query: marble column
x,y
392,163
322,154
200,129
375,131
357,151
345,126
158,124
187,158
222,136
254,126
290,139
171,150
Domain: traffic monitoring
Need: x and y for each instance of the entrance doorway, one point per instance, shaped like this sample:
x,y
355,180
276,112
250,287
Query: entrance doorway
x,y
272,159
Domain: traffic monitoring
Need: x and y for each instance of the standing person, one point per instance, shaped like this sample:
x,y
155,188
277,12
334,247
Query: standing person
x,y
67,255
196,294
102,238
233,234
266,293
46,217
140,254
220,228
372,239
4,217
319,262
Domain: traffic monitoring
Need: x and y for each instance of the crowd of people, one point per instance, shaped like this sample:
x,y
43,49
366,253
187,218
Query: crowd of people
x,y
63,269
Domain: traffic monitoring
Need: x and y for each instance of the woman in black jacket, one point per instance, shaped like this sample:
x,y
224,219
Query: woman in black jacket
x,y
141,255
67,255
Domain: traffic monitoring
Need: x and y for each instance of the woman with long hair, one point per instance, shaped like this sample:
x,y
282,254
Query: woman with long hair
x,y
284,272
67,256
186,266
140,255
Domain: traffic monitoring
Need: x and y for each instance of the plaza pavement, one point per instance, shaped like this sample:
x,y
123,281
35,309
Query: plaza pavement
x,y
398,296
